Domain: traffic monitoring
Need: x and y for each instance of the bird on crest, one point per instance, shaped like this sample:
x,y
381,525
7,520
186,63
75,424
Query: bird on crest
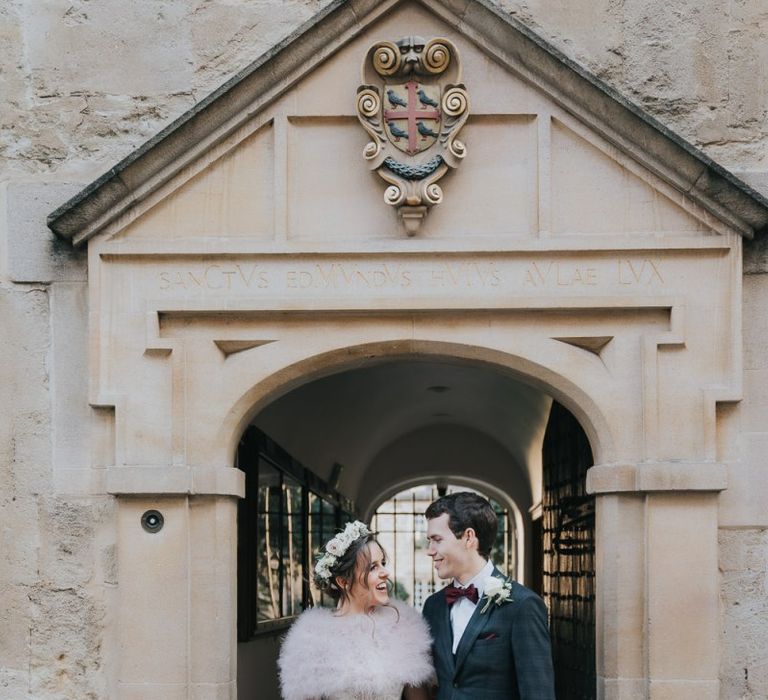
x,y
395,100
424,130
396,131
425,99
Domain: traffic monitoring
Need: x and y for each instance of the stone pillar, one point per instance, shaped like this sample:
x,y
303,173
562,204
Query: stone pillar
x,y
657,580
213,598
620,596
177,587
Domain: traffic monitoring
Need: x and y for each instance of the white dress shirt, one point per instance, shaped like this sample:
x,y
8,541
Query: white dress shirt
x,y
463,608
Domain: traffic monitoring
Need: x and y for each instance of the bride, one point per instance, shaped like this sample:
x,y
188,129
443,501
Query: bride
x,y
370,647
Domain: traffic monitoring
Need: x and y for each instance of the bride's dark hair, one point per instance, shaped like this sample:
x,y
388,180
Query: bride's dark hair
x,y
351,568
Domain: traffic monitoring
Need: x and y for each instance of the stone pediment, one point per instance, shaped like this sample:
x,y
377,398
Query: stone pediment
x,y
275,154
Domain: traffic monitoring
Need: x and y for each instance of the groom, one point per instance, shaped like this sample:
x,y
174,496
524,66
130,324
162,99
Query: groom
x,y
490,633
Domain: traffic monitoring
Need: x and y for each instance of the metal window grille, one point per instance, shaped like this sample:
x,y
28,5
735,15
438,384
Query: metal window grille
x,y
569,555
287,513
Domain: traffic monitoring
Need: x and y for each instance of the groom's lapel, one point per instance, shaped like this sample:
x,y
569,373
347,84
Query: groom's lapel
x,y
475,626
446,632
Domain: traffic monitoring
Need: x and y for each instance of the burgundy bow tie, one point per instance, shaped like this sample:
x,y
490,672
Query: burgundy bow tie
x,y
453,593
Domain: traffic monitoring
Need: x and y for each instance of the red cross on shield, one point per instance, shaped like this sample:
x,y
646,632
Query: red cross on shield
x,y
412,115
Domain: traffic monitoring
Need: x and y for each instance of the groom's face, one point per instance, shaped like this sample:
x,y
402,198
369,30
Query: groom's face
x,y
450,554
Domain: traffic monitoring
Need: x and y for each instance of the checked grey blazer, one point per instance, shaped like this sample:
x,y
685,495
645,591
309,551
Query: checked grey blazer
x,y
503,653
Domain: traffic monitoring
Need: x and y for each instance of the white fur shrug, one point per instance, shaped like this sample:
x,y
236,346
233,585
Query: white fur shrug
x,y
355,656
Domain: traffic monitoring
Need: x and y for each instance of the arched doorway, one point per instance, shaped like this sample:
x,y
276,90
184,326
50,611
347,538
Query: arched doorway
x,y
352,439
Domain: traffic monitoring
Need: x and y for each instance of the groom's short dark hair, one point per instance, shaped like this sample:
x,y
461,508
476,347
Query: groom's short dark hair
x,y
466,509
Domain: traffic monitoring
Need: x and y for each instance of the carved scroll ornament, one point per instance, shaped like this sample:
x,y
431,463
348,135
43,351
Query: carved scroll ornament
x,y
413,105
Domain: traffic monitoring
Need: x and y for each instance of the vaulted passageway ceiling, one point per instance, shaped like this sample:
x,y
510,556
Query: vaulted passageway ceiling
x,y
447,453
363,418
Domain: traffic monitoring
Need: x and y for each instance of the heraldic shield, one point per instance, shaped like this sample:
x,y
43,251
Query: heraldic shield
x,y
412,115
412,105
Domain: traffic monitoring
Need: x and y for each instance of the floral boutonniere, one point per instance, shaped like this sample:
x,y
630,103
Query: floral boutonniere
x,y
496,591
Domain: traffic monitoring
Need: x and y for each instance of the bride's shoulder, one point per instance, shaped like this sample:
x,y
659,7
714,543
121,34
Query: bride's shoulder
x,y
405,610
409,620
306,637
311,621
308,657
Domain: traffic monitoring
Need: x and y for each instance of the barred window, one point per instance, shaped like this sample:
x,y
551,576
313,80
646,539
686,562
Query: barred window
x,y
323,523
286,515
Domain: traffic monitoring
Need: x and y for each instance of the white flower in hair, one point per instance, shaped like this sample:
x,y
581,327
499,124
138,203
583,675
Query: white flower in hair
x,y
337,546
323,567
334,546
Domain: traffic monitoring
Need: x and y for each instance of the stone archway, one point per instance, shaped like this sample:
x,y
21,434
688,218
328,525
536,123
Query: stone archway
x,y
315,420
291,371
633,498
381,421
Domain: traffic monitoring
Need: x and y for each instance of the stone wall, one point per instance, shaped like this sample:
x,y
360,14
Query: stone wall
x,y
695,65
744,599
744,534
84,82
57,570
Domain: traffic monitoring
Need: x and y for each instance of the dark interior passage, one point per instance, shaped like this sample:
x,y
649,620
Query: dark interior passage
x,y
568,554
340,446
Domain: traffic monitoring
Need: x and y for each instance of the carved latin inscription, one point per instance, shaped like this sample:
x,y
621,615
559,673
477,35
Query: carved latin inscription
x,y
413,276
555,273
643,272
334,275
626,272
216,276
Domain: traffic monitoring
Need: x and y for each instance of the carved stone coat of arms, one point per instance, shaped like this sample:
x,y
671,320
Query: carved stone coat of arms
x,y
413,105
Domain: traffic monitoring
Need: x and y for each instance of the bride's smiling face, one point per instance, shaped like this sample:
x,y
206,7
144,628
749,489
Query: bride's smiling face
x,y
370,587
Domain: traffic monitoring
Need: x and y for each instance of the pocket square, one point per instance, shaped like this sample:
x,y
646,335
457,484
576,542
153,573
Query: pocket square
x,y
488,636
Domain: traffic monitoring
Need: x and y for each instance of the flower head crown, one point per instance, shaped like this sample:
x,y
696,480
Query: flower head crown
x,y
337,547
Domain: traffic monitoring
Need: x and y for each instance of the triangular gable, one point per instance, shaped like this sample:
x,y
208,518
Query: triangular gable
x,y
194,151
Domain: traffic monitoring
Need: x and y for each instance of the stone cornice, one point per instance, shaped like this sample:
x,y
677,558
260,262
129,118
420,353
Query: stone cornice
x,y
127,480
657,476
503,37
